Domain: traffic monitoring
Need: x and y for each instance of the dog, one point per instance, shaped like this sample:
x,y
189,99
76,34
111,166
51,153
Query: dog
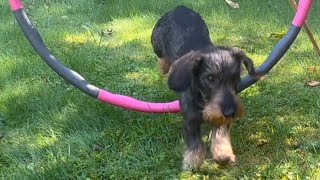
x,y
205,76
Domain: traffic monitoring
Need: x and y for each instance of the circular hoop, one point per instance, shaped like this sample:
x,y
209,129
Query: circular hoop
x,y
128,102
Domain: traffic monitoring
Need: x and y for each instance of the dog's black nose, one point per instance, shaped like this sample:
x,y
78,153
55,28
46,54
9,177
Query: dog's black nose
x,y
229,111
228,105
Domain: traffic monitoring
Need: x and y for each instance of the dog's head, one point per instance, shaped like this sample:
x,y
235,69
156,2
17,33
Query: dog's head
x,y
213,77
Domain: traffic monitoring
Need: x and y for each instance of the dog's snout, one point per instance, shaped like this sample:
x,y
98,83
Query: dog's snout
x,y
229,107
229,111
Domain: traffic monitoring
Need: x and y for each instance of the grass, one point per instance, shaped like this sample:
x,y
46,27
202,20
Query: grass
x,y
50,130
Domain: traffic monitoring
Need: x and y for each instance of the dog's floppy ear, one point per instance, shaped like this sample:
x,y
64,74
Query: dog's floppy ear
x,y
248,63
182,71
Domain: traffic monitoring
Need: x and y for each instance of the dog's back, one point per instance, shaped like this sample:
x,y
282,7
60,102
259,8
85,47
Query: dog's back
x,y
178,32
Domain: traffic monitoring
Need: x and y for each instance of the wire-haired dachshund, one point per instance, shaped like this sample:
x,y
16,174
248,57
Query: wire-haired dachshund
x,y
205,76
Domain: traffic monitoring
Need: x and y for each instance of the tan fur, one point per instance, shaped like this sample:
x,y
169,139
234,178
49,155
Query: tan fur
x,y
212,112
163,65
221,148
240,108
193,159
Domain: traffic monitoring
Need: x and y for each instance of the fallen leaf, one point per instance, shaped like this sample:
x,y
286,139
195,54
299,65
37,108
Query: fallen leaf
x,y
312,83
107,32
262,142
302,152
261,78
312,69
278,35
232,4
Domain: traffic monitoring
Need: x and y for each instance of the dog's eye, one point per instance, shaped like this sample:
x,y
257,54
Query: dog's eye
x,y
210,78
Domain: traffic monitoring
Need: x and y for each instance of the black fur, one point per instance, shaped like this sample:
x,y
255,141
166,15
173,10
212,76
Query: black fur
x,y
204,75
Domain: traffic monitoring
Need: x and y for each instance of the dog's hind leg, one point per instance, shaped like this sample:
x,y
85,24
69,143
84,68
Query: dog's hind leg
x,y
164,65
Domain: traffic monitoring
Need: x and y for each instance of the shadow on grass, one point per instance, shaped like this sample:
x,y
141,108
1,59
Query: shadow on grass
x,y
49,108
86,138
97,134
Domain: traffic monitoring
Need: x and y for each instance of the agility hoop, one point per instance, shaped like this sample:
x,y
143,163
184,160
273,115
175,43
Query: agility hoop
x,y
131,103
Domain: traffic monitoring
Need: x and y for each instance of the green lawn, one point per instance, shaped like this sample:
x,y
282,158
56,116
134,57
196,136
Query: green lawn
x,y
50,130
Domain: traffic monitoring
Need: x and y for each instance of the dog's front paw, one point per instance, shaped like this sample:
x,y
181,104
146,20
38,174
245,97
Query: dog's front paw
x,y
193,159
221,148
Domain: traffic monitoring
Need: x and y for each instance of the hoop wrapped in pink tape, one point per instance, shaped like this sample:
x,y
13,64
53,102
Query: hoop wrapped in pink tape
x,y
137,105
15,4
302,12
125,101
